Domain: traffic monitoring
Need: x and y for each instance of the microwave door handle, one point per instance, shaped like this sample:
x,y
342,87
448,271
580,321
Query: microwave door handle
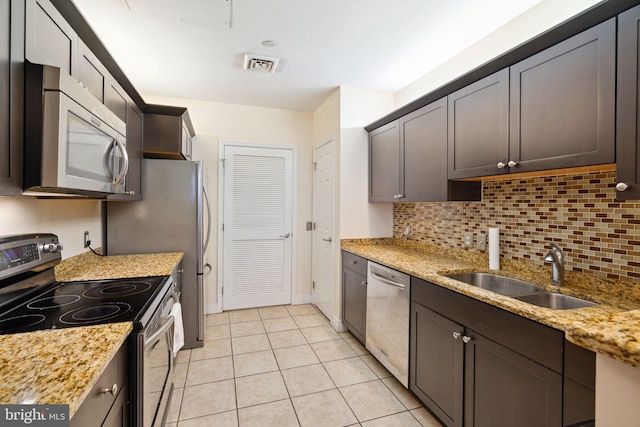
x,y
125,156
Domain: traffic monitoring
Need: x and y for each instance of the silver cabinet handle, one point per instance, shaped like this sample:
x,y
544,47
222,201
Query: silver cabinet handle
x,y
621,186
285,236
466,339
113,390
328,239
512,164
501,165
456,335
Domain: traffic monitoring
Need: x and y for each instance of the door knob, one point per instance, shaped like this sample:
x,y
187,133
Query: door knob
x,y
328,239
285,236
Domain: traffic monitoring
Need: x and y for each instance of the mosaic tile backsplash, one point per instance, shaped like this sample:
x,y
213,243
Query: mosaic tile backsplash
x,y
579,213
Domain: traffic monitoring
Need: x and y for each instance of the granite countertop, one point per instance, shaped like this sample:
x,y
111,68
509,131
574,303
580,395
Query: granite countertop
x,y
89,266
58,366
611,328
61,366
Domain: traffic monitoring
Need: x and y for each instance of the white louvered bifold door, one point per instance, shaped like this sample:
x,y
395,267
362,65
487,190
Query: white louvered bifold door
x,y
258,224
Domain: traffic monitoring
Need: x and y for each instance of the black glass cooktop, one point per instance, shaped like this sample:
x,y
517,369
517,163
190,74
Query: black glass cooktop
x,y
71,304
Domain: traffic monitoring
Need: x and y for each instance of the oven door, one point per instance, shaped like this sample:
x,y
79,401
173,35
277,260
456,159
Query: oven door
x,y
80,151
157,371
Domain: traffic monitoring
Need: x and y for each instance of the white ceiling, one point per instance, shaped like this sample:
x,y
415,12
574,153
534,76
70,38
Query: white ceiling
x,y
182,48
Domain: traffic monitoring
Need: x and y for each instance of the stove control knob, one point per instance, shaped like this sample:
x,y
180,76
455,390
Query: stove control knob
x,y
52,247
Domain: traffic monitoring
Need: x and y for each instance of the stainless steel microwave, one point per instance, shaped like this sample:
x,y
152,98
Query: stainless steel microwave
x,y
74,145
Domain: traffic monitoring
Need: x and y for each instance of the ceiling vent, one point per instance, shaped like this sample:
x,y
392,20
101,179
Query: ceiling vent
x,y
264,63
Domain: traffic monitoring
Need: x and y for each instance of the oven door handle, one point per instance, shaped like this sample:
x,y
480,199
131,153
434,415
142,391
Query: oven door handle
x,y
156,336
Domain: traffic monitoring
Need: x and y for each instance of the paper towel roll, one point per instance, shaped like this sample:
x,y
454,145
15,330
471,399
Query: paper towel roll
x,y
494,249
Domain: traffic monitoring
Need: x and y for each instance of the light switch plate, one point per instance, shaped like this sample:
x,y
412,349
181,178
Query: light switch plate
x,y
481,243
467,240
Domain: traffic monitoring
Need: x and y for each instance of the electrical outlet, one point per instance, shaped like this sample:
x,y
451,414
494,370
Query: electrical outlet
x,y
87,240
467,240
481,243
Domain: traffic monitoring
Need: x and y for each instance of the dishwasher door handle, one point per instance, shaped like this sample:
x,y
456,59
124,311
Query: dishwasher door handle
x,y
387,281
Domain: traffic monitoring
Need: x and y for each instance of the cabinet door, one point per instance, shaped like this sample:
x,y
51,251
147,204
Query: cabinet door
x,y
628,105
116,99
12,14
423,154
436,363
563,103
384,163
49,39
478,122
354,288
504,388
91,73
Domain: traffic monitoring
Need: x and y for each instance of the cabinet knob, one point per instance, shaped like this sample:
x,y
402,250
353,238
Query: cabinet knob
x,y
363,283
621,186
466,339
113,390
501,165
512,164
456,335
353,262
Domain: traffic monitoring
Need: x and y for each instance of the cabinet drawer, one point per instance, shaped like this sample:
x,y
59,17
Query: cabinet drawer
x,y
354,263
527,337
97,404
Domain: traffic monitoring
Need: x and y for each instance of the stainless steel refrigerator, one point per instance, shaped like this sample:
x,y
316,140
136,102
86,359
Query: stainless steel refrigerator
x,y
170,218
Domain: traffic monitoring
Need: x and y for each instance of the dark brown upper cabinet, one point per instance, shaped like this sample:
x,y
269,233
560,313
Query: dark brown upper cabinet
x,y
116,99
562,111
167,133
478,123
91,73
553,110
408,160
628,106
384,163
49,39
11,96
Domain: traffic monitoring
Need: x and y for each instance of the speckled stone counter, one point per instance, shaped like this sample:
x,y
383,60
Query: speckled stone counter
x,y
61,366
89,266
57,366
611,328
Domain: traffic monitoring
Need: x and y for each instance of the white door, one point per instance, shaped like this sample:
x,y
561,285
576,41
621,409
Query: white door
x,y
323,239
257,227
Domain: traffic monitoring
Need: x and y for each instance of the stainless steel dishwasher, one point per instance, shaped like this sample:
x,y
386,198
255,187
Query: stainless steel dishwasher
x,y
387,331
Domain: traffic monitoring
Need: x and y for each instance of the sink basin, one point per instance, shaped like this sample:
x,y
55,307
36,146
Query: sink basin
x,y
499,284
554,301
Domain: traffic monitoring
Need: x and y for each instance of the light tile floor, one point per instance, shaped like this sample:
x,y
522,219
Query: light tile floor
x,y
286,366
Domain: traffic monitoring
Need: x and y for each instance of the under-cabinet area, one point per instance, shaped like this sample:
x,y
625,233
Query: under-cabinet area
x,y
477,357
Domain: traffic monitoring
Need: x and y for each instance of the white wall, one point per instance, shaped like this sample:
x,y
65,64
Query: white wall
x,y
66,218
537,20
214,122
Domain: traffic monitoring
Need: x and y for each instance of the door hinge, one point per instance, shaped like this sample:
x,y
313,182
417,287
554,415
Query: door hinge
x,y
315,164
313,284
224,162
222,291
223,226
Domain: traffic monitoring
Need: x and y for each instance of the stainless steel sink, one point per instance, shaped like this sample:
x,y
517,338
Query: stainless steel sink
x,y
499,284
554,301
522,291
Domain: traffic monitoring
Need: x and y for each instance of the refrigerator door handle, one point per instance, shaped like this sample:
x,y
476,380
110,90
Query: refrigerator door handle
x,y
206,242
204,276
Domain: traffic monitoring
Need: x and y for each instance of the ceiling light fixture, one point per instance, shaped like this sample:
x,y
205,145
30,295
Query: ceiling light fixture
x,y
269,43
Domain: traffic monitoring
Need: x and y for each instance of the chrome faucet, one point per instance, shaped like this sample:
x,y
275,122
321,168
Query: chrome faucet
x,y
556,258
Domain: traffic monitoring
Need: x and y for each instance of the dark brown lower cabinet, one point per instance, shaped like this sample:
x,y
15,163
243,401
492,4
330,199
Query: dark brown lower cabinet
x,y
473,364
354,294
